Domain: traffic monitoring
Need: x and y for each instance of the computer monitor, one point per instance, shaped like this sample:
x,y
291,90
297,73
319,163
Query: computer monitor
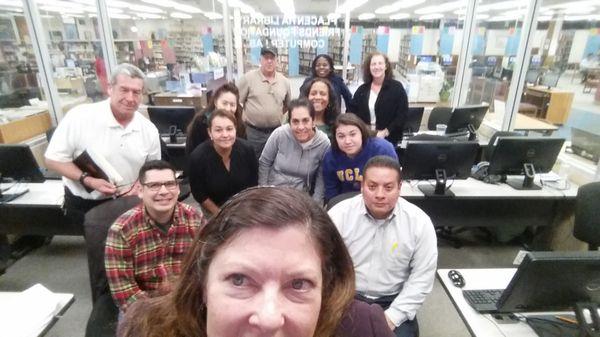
x,y
585,144
536,61
412,123
524,156
425,58
439,160
467,118
550,79
171,120
446,60
511,61
552,281
17,163
532,76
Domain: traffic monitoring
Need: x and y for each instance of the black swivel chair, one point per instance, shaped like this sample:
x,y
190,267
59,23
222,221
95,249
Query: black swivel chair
x,y
439,115
339,198
104,315
587,215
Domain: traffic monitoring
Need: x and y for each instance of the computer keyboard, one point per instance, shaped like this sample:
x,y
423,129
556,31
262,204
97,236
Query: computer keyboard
x,y
483,300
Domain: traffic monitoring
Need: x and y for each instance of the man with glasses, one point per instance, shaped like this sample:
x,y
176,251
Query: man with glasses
x,y
265,94
146,245
112,128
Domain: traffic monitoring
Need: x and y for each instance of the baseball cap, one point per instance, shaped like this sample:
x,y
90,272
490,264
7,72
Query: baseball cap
x,y
268,50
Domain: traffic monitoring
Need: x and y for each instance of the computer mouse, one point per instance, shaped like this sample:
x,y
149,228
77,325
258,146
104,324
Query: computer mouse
x,y
456,278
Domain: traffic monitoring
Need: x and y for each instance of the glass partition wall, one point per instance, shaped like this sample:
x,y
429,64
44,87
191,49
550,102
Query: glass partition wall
x,y
447,53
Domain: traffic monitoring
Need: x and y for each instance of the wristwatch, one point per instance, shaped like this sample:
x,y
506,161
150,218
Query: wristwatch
x,y
82,178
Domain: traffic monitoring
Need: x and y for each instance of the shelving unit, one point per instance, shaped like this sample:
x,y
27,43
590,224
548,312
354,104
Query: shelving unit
x,y
369,44
187,45
336,49
80,50
125,50
405,63
283,60
307,55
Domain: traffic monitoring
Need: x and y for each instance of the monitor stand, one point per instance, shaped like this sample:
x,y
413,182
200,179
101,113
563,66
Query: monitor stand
x,y
527,182
439,190
472,132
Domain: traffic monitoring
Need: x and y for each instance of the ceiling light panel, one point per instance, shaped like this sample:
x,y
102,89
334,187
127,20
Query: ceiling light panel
x,y
443,7
398,5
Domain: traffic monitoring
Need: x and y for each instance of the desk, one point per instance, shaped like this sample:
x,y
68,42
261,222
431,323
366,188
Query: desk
x,y
554,105
483,324
478,204
526,124
37,212
20,315
167,98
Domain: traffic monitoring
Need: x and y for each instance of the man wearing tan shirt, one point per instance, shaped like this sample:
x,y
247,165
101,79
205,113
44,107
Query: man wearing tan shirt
x,y
265,94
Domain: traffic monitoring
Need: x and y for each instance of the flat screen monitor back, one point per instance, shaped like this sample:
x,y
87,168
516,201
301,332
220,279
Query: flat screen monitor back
x,y
532,76
550,79
412,123
17,162
427,159
512,154
553,281
464,116
166,116
585,144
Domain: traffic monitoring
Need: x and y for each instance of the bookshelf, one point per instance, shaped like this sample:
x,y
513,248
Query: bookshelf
x,y
187,45
369,44
306,56
405,63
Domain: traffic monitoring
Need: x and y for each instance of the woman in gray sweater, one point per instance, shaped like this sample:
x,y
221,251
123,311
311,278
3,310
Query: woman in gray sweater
x,y
294,152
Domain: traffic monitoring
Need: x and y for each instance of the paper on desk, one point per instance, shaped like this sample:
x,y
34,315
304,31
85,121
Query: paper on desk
x,y
29,312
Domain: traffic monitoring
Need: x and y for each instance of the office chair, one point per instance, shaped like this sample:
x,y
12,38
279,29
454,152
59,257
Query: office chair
x,y
438,115
587,215
339,198
104,315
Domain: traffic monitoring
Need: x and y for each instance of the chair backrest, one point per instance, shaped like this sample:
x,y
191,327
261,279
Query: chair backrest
x,y
587,215
438,115
95,226
340,197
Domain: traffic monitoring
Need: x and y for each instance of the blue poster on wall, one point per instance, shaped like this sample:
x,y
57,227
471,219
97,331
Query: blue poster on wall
x,y
293,61
593,43
383,38
447,40
416,40
356,41
512,44
255,45
207,43
323,45
479,42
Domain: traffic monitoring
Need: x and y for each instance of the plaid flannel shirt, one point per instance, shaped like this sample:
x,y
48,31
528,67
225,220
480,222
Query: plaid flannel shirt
x,y
140,258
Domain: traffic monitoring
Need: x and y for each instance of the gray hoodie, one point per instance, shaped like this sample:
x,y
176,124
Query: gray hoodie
x,y
284,162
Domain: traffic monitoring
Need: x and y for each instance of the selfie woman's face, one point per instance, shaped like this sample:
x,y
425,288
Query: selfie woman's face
x,y
265,282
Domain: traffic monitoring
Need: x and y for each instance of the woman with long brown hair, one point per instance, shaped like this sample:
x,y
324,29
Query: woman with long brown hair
x,y
270,262
226,97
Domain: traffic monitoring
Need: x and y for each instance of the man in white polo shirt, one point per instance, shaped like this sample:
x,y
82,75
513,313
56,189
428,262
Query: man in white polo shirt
x,y
392,244
112,128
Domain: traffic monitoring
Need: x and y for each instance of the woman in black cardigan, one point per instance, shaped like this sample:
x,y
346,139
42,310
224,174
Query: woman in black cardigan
x,y
381,101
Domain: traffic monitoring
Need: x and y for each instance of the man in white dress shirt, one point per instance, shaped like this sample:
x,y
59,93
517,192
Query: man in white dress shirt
x,y
392,244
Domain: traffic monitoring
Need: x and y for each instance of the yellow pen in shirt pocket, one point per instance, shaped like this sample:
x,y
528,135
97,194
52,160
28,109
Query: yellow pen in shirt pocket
x,y
394,247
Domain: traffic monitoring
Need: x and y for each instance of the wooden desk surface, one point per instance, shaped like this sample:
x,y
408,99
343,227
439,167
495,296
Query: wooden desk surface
x,y
544,89
526,123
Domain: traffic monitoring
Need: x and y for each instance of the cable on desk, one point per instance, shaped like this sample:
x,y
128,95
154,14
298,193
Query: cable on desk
x,y
550,328
487,316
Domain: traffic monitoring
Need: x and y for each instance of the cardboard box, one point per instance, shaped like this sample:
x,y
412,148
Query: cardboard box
x,y
22,129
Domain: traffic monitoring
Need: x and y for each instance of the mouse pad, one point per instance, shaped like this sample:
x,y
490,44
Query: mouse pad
x,y
550,326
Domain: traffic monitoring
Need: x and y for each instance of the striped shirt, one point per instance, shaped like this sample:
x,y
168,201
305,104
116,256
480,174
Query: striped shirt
x,y
141,258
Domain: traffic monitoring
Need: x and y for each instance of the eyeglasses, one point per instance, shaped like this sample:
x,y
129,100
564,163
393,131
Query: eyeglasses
x,y
155,186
